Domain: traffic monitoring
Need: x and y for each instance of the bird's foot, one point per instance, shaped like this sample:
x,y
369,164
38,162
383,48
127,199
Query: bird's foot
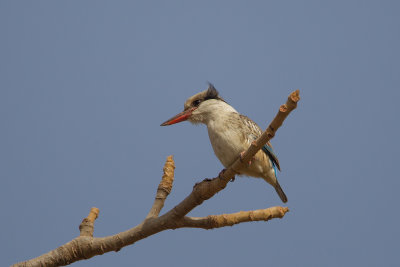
x,y
241,156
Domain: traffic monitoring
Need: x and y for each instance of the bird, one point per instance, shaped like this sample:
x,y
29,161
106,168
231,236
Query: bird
x,y
230,133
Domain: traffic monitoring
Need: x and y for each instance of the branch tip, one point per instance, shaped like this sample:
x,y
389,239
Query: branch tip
x,y
295,96
283,211
164,188
86,227
168,176
93,214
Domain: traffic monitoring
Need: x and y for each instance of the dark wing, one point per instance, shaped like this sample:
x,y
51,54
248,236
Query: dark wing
x,y
255,132
270,152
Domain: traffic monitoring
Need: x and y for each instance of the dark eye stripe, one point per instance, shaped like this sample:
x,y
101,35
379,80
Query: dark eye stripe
x,y
196,103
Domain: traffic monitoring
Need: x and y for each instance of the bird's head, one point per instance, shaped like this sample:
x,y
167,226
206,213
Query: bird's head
x,y
199,107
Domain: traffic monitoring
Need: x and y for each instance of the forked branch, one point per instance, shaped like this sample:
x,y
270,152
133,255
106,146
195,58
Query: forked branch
x,y
86,246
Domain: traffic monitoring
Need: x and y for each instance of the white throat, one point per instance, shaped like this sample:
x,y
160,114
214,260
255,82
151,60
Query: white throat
x,y
212,111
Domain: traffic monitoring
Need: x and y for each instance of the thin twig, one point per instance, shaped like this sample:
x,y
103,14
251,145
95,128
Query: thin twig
x,y
87,225
222,220
164,188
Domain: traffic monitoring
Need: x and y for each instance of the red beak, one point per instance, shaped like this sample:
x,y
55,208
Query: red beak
x,y
179,117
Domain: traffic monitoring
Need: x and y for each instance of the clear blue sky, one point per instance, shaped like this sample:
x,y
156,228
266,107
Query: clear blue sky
x,y
84,86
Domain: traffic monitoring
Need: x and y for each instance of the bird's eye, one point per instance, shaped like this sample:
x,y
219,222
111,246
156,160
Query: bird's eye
x,y
196,103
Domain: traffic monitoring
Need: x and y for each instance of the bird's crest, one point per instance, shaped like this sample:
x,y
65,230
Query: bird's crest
x,y
211,92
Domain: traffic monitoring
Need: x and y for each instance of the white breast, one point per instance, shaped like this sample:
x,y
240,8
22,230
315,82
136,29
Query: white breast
x,y
225,142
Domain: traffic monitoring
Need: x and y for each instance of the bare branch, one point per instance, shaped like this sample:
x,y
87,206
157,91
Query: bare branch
x,y
164,188
86,246
87,225
217,221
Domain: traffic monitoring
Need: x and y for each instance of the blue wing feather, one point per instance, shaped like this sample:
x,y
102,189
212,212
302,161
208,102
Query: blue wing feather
x,y
270,153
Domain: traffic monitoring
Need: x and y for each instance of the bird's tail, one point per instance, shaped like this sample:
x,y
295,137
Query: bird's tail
x,y
280,192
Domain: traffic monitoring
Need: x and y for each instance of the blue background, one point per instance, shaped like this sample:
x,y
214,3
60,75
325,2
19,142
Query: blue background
x,y
84,86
